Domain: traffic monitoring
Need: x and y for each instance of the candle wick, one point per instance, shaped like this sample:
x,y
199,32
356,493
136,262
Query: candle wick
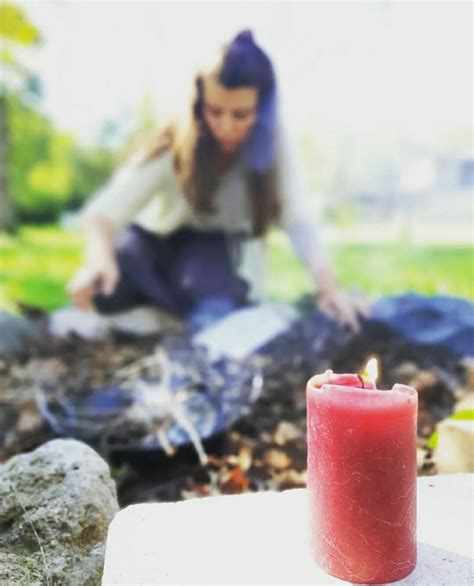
x,y
361,378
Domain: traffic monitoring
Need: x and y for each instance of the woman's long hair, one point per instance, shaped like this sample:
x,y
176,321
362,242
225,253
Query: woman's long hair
x,y
242,64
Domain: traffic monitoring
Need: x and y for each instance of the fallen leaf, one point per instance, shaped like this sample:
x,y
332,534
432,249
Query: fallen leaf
x,y
245,458
234,482
291,479
277,459
286,432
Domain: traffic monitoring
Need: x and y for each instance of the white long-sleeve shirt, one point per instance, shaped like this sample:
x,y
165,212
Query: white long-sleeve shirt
x,y
151,196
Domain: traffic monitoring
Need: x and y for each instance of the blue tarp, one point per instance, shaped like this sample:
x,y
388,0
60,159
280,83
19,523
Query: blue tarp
x,y
224,391
441,320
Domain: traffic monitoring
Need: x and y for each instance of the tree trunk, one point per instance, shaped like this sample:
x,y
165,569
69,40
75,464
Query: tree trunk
x,y
7,212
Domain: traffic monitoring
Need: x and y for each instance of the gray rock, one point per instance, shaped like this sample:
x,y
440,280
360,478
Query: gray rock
x,y
56,504
16,334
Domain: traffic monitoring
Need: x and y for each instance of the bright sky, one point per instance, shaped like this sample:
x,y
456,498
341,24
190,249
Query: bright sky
x,y
376,68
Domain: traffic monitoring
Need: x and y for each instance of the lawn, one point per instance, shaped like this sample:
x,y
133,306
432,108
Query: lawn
x,y
36,264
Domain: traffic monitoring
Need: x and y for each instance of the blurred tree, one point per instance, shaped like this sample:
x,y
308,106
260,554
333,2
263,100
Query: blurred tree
x,y
91,168
43,171
50,171
40,163
15,29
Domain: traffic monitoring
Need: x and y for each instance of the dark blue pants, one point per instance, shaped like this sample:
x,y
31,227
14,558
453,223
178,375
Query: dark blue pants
x,y
177,273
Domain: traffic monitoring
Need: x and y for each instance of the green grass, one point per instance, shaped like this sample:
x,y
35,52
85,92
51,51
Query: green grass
x,y
36,264
379,269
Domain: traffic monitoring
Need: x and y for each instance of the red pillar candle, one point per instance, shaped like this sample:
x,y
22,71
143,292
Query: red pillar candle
x,y
362,477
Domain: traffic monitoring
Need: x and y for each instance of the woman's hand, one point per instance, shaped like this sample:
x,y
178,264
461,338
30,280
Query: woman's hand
x,y
345,309
336,304
90,280
100,272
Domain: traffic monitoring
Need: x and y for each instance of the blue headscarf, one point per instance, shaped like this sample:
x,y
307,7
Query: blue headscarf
x,y
246,65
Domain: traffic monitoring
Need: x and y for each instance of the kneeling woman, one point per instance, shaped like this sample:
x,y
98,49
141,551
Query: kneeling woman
x,y
182,224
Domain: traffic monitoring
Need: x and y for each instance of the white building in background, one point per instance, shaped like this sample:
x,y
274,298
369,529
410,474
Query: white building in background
x,y
429,198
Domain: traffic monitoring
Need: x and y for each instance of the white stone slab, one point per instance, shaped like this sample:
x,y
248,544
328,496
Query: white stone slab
x,y
263,538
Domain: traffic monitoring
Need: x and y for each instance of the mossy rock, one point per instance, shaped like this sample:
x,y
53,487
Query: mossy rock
x,y
56,504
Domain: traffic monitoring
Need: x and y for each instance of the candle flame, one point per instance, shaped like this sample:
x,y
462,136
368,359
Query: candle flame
x,y
371,370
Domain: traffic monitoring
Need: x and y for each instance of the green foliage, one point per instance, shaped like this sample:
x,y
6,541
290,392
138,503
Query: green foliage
x,y
90,169
16,30
49,170
7,57
15,26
